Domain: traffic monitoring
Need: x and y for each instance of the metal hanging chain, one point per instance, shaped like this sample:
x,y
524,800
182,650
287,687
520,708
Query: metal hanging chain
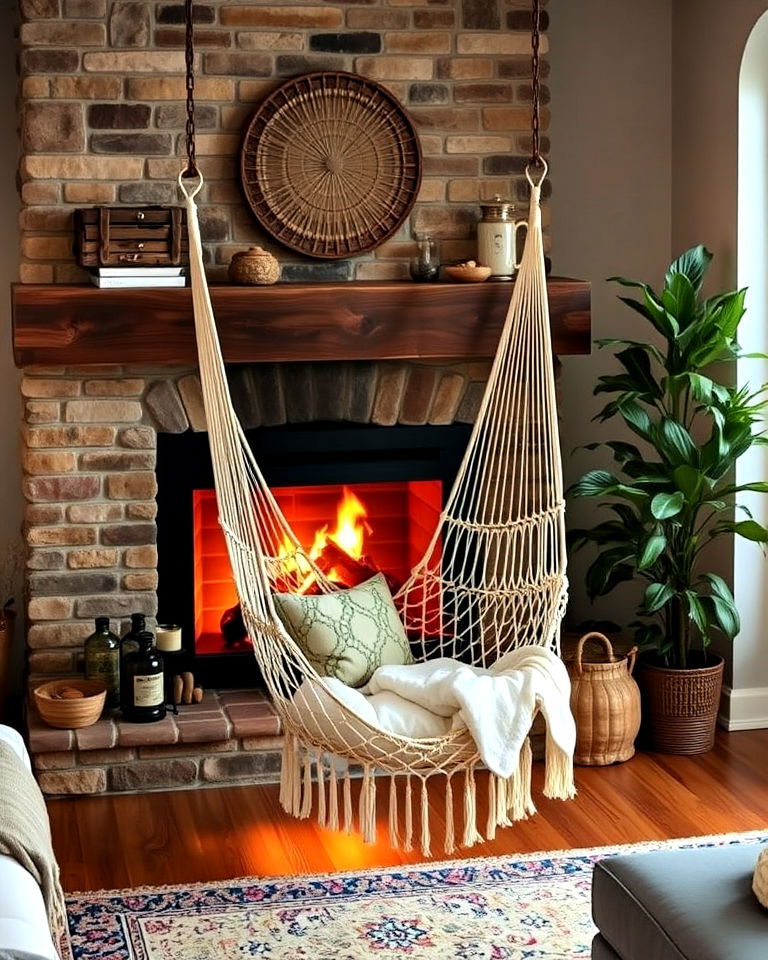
x,y
536,158
191,168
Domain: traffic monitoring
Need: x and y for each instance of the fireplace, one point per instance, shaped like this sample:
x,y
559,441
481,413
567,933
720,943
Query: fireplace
x,y
375,492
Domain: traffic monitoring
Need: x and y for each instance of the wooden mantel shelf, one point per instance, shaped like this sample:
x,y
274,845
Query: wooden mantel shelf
x,y
60,324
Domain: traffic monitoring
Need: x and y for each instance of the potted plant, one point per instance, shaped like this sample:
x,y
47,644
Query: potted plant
x,y
672,493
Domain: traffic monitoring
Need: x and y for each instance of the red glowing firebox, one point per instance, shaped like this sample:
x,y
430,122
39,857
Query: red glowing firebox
x,y
387,526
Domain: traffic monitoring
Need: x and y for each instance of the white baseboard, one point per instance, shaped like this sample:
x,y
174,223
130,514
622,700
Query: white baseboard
x,y
745,709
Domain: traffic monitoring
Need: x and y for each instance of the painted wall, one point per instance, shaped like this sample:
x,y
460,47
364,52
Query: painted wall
x,y
10,484
709,185
611,202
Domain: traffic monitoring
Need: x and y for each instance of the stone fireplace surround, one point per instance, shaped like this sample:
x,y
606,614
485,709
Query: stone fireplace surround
x,y
89,449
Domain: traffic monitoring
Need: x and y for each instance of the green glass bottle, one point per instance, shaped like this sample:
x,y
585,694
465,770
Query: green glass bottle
x,y
144,682
102,659
129,644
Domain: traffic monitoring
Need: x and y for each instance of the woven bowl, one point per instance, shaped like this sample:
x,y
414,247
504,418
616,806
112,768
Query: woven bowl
x,y
71,714
463,273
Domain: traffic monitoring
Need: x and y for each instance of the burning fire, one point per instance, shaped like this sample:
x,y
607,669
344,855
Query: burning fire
x,y
349,535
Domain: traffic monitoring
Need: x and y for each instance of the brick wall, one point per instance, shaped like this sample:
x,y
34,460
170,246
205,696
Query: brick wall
x,y
102,111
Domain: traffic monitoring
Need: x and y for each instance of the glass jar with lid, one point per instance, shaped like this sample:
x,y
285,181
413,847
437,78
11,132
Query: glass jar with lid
x,y
497,238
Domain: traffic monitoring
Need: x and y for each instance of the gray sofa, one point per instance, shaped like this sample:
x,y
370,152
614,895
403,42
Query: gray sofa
x,y
679,905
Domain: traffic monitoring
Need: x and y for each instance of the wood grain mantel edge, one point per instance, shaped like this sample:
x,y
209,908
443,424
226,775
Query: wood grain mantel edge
x,y
79,324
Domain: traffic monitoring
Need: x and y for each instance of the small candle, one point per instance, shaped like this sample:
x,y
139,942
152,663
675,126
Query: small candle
x,y
168,637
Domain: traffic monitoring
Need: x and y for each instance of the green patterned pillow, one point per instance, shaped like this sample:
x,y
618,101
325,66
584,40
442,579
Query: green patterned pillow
x,y
348,634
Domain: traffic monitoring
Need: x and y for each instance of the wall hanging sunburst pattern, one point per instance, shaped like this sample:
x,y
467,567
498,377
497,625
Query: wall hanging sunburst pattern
x,y
331,164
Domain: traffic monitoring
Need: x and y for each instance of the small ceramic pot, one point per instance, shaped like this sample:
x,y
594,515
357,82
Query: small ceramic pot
x,y
254,266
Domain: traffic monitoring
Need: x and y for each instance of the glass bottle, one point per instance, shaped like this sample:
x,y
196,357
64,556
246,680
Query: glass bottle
x,y
425,265
129,644
102,659
143,685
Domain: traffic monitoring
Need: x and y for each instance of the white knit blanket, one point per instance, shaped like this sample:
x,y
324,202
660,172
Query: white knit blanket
x,y
496,705
430,699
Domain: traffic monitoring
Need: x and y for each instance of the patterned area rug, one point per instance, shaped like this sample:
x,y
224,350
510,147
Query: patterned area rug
x,y
501,908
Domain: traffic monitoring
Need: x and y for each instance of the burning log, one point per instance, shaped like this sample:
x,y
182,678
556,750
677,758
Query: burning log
x,y
347,571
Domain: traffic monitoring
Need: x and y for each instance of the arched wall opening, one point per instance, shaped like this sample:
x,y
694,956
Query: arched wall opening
x,y
747,705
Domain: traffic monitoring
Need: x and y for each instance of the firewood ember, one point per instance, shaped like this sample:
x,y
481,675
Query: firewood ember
x,y
336,563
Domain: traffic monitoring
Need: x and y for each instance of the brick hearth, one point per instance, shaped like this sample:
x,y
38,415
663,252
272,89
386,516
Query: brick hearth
x,y
233,735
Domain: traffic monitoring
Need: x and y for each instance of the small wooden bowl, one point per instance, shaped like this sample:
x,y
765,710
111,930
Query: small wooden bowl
x,y
71,714
466,274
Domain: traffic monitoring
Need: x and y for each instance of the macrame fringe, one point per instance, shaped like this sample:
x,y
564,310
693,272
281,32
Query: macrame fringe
x,y
408,841
471,833
394,833
306,799
503,788
288,773
519,803
348,822
490,826
450,835
333,798
425,837
320,789
368,806
558,773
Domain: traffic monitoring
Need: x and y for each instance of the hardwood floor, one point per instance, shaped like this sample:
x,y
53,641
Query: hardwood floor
x,y
217,834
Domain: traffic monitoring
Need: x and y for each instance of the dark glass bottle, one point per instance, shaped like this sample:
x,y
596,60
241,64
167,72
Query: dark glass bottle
x,y
129,644
143,683
102,659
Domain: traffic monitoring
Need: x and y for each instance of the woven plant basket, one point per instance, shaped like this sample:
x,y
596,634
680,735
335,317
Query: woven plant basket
x,y
605,701
680,706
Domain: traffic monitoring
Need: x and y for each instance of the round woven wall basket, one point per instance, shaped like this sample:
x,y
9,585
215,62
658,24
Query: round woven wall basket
x,y
330,164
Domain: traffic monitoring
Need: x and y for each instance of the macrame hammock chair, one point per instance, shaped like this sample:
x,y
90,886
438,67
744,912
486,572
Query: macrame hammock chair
x,y
491,580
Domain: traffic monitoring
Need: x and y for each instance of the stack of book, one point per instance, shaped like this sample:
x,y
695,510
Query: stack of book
x,y
139,277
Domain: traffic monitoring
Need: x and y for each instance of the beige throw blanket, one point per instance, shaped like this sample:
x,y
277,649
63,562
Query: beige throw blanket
x,y
25,832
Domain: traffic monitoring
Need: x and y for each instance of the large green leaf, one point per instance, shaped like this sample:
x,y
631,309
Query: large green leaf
x,y
719,587
675,443
722,614
595,483
689,480
751,530
656,596
651,549
638,365
665,505
729,312
609,569
636,418
697,612
649,348
618,383
693,263
679,299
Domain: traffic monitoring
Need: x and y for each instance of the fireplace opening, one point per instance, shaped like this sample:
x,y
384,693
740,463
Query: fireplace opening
x,y
368,492
349,530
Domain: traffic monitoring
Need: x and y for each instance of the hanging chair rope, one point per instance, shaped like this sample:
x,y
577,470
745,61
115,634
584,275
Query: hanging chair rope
x,y
491,580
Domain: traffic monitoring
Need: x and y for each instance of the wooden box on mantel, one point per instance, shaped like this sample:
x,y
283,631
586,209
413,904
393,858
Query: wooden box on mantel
x,y
131,237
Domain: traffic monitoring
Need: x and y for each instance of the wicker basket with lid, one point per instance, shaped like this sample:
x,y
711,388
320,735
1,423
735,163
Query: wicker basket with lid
x,y
605,701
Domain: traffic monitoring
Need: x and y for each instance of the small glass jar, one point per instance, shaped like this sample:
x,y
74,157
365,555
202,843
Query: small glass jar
x,y
425,265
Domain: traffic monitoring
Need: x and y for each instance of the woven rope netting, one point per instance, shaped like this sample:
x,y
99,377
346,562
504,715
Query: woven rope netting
x,y
491,580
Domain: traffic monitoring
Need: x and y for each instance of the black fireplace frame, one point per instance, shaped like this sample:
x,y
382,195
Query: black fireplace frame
x,y
293,454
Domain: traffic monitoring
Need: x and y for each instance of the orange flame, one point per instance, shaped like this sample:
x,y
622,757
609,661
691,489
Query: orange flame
x,y
349,534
